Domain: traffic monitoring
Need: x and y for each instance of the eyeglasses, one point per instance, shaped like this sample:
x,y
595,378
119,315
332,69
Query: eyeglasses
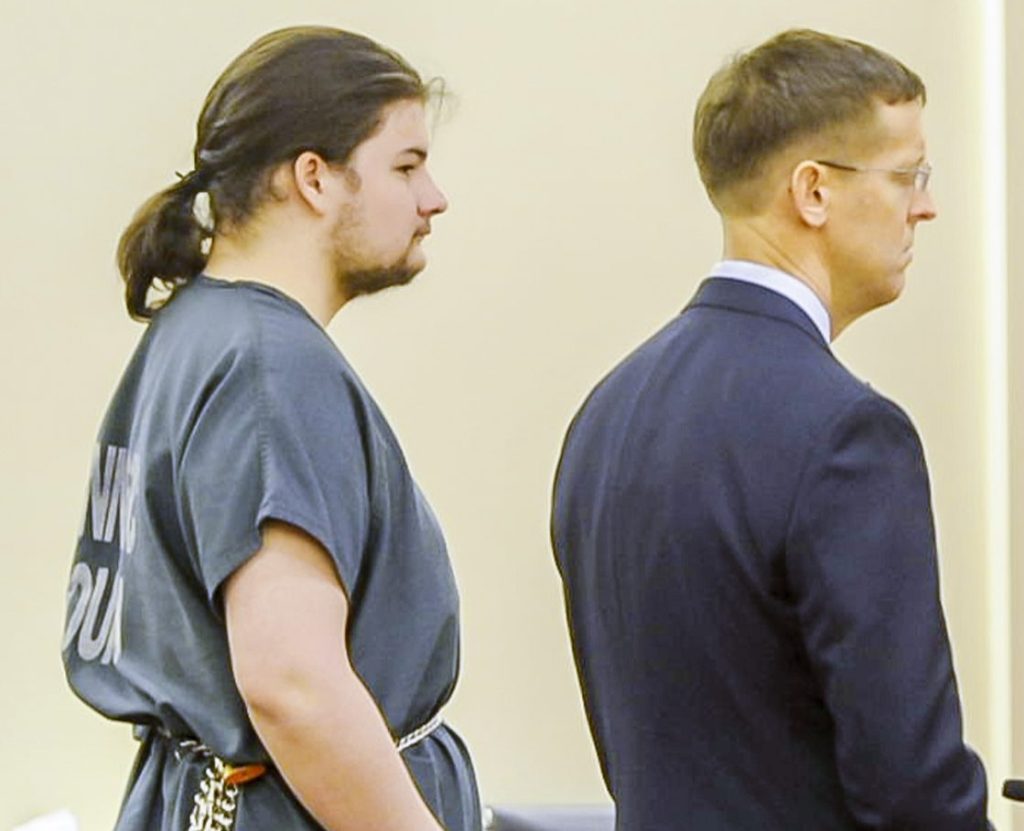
x,y
921,174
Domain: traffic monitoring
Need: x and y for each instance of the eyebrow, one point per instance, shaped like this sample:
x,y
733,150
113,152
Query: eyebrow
x,y
416,151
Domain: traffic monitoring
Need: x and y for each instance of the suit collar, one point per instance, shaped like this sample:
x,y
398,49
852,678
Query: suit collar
x,y
722,292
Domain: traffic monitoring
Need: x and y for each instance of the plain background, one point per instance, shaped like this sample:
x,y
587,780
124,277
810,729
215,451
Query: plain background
x,y
577,226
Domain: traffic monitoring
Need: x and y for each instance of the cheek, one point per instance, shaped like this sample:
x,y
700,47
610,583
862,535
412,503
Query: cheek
x,y
898,234
395,208
881,233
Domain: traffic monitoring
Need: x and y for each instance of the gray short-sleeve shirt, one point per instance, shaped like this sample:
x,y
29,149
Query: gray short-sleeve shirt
x,y
237,408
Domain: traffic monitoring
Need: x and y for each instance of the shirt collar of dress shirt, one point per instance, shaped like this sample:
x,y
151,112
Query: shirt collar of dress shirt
x,y
782,283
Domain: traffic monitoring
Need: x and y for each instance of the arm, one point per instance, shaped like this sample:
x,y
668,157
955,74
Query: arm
x,y
286,614
863,568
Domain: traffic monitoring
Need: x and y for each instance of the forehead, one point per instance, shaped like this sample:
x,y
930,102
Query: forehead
x,y
403,127
898,129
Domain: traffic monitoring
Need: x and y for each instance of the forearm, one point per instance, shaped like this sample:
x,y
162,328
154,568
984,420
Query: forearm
x,y
331,745
286,616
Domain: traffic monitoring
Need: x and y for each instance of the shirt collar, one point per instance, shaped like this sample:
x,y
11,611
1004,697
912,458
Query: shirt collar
x,y
790,287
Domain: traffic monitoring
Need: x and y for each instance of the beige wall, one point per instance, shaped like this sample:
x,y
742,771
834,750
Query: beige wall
x,y
1015,313
577,226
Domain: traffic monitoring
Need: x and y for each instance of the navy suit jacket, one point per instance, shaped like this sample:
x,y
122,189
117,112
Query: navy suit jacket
x,y
745,537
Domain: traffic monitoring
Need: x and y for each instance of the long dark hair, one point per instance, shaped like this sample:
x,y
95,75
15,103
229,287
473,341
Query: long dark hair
x,y
296,89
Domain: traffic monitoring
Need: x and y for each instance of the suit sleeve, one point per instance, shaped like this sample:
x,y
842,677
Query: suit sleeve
x,y
863,568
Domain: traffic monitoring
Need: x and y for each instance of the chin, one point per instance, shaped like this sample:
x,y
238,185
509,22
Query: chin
x,y
372,280
893,290
899,280
414,267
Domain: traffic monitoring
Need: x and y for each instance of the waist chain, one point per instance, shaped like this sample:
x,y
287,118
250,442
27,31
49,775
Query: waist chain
x,y
215,804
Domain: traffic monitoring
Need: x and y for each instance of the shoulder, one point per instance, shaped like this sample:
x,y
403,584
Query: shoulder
x,y
249,357
212,323
869,450
871,416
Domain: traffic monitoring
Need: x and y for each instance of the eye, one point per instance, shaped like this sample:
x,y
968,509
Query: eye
x,y
406,169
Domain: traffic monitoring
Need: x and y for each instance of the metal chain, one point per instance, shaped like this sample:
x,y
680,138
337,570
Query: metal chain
x,y
215,804
419,734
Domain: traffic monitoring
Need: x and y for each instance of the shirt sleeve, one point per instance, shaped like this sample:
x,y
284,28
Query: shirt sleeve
x,y
863,568
278,433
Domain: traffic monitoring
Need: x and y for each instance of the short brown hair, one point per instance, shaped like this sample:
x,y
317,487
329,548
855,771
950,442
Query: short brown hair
x,y
797,84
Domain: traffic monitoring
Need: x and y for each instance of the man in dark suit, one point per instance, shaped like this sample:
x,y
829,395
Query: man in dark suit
x,y
743,528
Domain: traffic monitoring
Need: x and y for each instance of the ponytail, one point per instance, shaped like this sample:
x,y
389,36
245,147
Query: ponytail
x,y
163,243
301,88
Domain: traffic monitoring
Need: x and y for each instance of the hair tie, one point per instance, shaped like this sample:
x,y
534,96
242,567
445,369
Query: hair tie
x,y
195,181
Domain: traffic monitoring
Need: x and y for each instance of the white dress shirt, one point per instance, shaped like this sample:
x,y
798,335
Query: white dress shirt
x,y
790,287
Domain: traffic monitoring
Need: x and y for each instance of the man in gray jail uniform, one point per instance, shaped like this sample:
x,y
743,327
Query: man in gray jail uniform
x,y
259,585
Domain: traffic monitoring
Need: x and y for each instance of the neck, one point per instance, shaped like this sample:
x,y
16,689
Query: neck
x,y
759,241
293,263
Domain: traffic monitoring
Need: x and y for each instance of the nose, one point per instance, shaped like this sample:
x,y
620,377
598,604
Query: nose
x,y
432,200
923,208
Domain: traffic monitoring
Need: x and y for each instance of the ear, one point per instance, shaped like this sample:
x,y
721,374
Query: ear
x,y
314,181
808,188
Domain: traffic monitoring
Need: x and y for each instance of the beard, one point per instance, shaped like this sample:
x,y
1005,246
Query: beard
x,y
371,280
356,271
